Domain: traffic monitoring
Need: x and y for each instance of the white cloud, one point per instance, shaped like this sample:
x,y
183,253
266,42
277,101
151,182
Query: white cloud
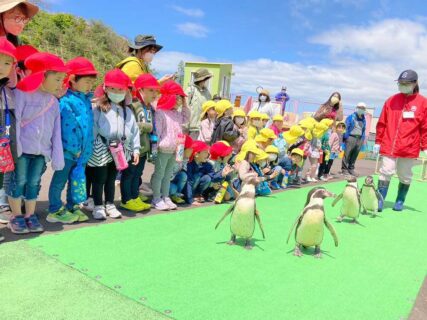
x,y
191,29
363,64
167,61
195,13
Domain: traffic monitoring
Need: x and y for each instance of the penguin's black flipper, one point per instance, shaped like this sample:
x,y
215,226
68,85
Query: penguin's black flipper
x,y
258,218
297,222
337,199
379,196
229,210
332,231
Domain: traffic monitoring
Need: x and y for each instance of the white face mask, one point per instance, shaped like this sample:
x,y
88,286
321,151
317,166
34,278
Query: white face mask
x,y
334,100
406,88
257,123
239,120
262,164
272,157
263,98
116,97
148,57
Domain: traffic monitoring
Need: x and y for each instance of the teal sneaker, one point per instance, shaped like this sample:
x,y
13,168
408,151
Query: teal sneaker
x,y
63,216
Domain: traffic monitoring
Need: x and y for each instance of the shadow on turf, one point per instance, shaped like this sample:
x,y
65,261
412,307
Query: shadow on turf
x,y
389,205
241,243
310,252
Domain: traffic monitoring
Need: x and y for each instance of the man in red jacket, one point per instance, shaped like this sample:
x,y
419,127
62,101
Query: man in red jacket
x,y
401,135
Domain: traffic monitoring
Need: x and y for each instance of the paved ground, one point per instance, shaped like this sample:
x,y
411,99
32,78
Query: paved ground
x,y
364,167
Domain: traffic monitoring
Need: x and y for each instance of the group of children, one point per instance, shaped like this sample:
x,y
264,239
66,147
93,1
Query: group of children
x,y
53,115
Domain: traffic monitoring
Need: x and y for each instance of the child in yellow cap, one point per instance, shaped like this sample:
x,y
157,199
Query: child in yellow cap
x,y
207,124
224,127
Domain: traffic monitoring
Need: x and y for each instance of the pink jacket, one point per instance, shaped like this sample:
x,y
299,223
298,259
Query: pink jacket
x,y
275,129
168,126
206,130
334,142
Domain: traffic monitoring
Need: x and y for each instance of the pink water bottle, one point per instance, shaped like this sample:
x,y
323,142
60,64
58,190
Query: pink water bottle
x,y
119,156
180,148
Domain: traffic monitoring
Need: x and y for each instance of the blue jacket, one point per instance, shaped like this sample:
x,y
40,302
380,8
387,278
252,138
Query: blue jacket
x,y
195,171
76,125
350,123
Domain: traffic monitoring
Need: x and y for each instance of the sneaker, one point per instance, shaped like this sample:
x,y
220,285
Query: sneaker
x,y
323,178
274,185
133,205
112,211
143,197
99,213
63,216
5,217
34,224
159,204
308,179
4,208
145,206
89,205
17,225
168,202
80,214
176,199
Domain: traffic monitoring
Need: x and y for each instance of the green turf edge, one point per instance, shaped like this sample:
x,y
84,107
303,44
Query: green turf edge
x,y
35,286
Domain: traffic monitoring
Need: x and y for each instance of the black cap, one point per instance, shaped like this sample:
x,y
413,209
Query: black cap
x,y
408,76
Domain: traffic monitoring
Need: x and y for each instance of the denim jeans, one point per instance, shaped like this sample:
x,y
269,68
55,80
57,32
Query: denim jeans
x,y
57,184
201,184
178,183
25,180
130,180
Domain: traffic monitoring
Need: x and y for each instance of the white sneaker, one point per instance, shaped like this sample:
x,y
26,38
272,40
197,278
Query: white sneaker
x,y
169,203
89,205
99,213
323,178
159,204
112,211
5,217
308,179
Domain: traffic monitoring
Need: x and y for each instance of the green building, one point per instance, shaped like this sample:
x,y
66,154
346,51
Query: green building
x,y
220,82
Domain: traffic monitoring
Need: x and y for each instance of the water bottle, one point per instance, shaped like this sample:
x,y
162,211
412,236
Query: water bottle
x,y
119,156
180,148
221,192
285,181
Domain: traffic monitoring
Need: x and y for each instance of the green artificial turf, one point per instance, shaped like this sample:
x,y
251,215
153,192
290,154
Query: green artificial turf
x,y
180,266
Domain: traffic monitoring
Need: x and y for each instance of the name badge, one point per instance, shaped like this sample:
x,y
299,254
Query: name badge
x,y
408,115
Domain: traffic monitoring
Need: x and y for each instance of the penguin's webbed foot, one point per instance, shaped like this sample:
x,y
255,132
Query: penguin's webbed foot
x,y
340,219
354,221
297,251
317,253
248,245
232,240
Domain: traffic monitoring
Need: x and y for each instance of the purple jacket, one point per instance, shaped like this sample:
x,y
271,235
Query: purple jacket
x,y
38,126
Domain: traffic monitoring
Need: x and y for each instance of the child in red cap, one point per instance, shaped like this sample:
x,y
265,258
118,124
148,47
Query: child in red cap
x,y
77,141
179,179
7,119
114,127
38,136
147,87
171,114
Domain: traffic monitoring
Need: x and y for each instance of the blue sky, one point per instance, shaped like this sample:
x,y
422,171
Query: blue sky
x,y
313,46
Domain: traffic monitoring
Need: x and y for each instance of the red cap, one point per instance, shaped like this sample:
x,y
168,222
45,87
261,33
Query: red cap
x,y
171,87
7,48
166,102
188,142
116,78
81,66
146,81
198,146
39,63
23,52
220,149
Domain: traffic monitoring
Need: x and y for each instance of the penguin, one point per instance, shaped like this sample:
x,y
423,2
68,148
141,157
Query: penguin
x,y
243,215
370,197
309,225
351,201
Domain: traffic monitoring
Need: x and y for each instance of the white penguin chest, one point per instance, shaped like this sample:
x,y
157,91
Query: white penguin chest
x,y
350,203
369,198
310,231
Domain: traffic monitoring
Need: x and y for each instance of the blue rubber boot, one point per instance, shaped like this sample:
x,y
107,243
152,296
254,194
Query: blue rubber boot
x,y
401,196
382,189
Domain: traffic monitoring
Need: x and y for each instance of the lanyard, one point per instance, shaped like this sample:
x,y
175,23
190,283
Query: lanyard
x,y
7,114
152,117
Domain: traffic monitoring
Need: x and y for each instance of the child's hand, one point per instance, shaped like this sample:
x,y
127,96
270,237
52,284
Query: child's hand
x,y
274,174
266,170
135,159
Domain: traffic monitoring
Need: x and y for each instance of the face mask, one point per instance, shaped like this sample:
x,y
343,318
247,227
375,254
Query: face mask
x,y
360,112
148,57
406,88
239,120
263,98
257,123
334,100
272,157
262,164
116,97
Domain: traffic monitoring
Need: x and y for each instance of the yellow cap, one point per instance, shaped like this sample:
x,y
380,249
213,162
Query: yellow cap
x,y
248,146
307,123
222,106
298,151
264,116
238,112
206,106
327,122
278,117
320,129
268,133
254,114
261,156
260,138
272,149
293,134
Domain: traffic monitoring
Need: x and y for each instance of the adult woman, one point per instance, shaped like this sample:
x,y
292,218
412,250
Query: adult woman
x,y
264,105
331,109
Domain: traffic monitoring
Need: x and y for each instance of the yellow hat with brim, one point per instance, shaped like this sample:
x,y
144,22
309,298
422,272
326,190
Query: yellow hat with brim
x,y
248,146
264,116
206,106
307,123
319,130
298,151
254,114
293,134
261,156
238,112
327,122
261,138
268,133
222,106
272,149
278,117
341,123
